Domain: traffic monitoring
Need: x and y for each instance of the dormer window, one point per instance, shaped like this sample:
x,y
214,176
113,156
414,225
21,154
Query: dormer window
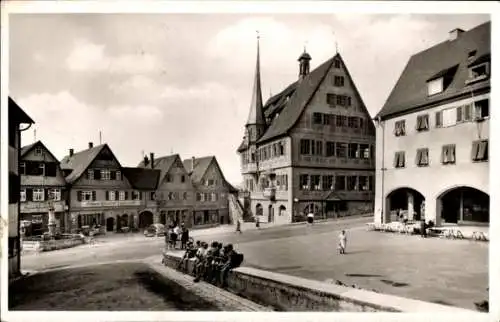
x,y
435,86
440,81
479,69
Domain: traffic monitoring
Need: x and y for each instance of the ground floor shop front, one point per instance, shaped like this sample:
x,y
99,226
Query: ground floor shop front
x,y
193,218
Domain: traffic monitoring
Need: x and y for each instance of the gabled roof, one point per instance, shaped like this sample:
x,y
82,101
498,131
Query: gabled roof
x,y
201,166
162,163
410,91
302,94
142,178
80,161
27,148
17,115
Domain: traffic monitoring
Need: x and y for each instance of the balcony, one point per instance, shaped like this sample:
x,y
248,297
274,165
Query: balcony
x,y
249,168
270,193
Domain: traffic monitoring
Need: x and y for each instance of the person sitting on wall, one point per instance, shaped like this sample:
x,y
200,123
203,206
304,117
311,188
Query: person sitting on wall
x,y
200,257
190,253
214,261
205,268
201,262
219,260
184,236
234,260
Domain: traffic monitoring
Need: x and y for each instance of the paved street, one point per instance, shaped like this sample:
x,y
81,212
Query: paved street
x,y
442,271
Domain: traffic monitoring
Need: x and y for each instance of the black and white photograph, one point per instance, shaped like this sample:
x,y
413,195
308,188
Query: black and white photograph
x,y
257,159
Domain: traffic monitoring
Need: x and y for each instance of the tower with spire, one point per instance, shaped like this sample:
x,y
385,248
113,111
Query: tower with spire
x,y
256,123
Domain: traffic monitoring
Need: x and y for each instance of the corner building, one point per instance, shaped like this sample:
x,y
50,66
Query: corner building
x,y
433,134
308,148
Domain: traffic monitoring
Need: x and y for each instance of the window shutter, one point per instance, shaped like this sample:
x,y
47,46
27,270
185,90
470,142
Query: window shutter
x,y
459,114
112,175
467,112
426,122
396,160
418,157
126,195
439,119
79,195
444,154
94,196
425,156
107,195
452,153
402,159
29,194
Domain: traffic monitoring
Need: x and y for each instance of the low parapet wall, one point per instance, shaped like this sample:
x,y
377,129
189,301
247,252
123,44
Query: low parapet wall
x,y
290,293
50,245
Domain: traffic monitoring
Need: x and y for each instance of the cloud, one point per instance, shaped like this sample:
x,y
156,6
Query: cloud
x,y
86,56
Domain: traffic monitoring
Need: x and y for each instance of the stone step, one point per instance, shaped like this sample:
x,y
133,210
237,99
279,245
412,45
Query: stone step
x,y
223,299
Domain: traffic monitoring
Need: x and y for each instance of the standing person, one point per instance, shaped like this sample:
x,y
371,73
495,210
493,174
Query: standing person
x,y
310,218
423,228
257,222
184,236
342,242
238,226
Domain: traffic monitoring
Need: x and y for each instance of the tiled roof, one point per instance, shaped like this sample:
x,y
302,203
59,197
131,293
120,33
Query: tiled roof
x,y
79,162
303,93
410,91
17,115
162,163
200,167
278,101
142,178
27,148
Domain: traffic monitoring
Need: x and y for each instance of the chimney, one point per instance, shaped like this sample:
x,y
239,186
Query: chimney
x,y
152,157
455,33
71,152
146,161
91,145
192,163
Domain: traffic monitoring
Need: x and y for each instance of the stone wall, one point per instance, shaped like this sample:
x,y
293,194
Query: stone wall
x,y
290,293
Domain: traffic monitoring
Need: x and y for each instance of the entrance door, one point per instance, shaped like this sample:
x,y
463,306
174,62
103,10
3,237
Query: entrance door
x,y
110,222
270,217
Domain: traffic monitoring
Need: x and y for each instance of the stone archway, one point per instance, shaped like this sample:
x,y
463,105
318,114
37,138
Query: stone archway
x,y
145,219
259,210
270,214
110,223
406,202
463,205
282,211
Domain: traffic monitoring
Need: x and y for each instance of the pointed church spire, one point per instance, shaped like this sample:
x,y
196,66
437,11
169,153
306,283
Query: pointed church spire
x,y
256,115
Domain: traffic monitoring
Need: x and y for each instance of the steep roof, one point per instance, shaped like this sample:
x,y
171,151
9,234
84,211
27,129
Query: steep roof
x,y
410,91
200,168
162,163
256,116
142,178
27,148
302,94
17,115
80,161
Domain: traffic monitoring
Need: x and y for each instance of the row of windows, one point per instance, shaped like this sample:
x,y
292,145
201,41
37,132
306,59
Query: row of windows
x,y
447,117
338,100
479,152
335,149
274,150
171,178
280,183
354,122
207,196
331,182
40,194
103,174
91,195
36,168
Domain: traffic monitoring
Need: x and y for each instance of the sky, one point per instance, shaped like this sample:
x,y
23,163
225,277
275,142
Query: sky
x,y
182,83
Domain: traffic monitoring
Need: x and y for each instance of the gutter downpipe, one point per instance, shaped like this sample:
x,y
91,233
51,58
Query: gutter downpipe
x,y
382,169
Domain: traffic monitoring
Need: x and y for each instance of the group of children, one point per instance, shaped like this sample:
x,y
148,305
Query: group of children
x,y
174,232
213,263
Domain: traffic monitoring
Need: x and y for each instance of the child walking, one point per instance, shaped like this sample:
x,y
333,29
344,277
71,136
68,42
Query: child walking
x,y
342,242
